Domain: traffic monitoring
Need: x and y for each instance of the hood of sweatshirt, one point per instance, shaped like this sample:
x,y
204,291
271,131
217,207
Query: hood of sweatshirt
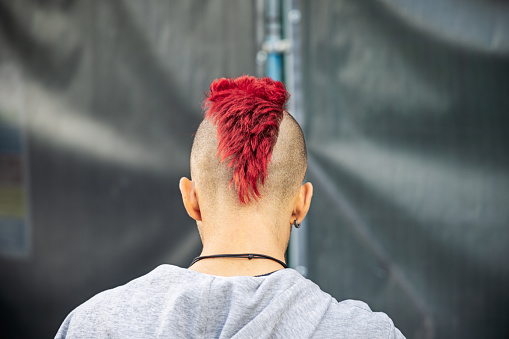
x,y
173,302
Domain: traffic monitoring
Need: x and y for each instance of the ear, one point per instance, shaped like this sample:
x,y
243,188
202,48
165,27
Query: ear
x,y
303,203
190,199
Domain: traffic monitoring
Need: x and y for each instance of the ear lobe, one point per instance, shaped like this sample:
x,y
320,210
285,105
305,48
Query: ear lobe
x,y
303,203
189,198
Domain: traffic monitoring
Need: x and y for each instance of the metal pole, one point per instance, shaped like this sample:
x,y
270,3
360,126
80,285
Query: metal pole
x,y
272,38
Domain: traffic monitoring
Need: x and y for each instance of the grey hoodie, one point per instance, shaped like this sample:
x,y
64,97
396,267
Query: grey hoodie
x,y
173,302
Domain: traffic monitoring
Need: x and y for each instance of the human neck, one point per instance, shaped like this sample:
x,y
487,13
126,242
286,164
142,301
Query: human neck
x,y
238,234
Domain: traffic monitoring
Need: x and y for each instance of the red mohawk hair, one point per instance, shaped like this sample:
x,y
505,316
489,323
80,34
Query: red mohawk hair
x,y
247,112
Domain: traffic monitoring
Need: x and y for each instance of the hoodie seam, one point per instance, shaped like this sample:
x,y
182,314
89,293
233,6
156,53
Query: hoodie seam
x,y
303,282
382,317
321,320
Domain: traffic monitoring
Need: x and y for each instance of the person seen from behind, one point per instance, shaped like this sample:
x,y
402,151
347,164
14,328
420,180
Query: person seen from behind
x,y
246,193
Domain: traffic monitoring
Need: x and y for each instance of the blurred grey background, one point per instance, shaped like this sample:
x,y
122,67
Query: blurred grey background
x,y
406,114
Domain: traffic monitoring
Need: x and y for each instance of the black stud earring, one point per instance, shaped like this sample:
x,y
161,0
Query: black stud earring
x,y
295,224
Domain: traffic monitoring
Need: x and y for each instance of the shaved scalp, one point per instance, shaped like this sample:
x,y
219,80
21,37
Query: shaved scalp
x,y
248,147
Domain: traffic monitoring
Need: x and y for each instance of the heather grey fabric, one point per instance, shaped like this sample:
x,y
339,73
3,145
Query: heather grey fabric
x,y
172,302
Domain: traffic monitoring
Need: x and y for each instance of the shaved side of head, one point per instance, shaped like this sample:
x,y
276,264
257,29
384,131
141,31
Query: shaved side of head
x,y
285,172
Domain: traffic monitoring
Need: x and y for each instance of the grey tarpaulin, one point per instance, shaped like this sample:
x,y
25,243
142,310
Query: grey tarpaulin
x,y
406,120
407,106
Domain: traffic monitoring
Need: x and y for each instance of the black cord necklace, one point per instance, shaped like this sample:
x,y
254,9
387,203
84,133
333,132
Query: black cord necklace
x,y
244,255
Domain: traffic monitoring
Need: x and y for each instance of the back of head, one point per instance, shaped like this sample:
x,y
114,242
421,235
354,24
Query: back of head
x,y
248,149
